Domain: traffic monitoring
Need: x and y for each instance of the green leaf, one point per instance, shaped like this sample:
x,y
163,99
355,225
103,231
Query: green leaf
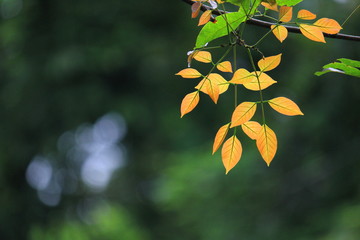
x,y
288,2
248,6
345,66
218,29
352,63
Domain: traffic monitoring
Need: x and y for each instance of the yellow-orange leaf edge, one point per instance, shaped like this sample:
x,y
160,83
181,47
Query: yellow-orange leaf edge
x,y
267,144
243,113
251,129
220,137
269,63
280,32
306,15
189,102
285,106
231,153
312,32
328,25
189,73
285,14
205,17
225,66
202,56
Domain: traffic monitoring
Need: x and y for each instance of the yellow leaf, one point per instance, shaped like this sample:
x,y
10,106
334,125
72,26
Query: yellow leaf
x,y
205,17
280,32
212,89
285,106
242,76
214,78
306,15
312,32
224,66
266,143
252,129
189,102
195,9
189,73
231,153
273,7
220,137
202,56
220,1
269,63
264,81
328,25
243,113
285,14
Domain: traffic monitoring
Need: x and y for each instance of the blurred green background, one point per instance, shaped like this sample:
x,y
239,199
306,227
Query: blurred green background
x,y
92,145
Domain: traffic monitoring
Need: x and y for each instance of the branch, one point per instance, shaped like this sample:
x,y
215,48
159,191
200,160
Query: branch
x,y
266,24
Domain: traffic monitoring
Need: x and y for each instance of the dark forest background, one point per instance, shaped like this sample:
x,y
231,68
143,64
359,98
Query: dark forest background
x,y
92,145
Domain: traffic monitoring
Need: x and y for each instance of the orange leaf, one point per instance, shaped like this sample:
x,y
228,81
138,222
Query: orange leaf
x,y
195,9
205,17
212,89
189,102
251,128
280,32
231,153
220,1
312,32
243,113
285,14
214,79
202,56
306,15
273,7
220,137
242,76
269,63
285,106
267,143
189,73
224,66
328,25
264,81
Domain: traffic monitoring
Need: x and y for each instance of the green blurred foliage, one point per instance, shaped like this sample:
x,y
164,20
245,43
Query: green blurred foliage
x,y
107,222
67,63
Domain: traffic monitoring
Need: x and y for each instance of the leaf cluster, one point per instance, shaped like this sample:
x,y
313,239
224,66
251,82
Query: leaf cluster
x,y
257,79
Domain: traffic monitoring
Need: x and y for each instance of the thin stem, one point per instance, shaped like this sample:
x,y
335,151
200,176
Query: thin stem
x,y
214,66
292,29
214,47
269,17
235,88
264,101
350,15
247,17
260,90
227,24
223,14
261,39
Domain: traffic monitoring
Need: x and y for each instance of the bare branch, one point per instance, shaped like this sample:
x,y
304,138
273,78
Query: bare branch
x,y
266,24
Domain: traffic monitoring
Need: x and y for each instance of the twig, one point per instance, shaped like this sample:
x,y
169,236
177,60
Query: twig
x,y
266,24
